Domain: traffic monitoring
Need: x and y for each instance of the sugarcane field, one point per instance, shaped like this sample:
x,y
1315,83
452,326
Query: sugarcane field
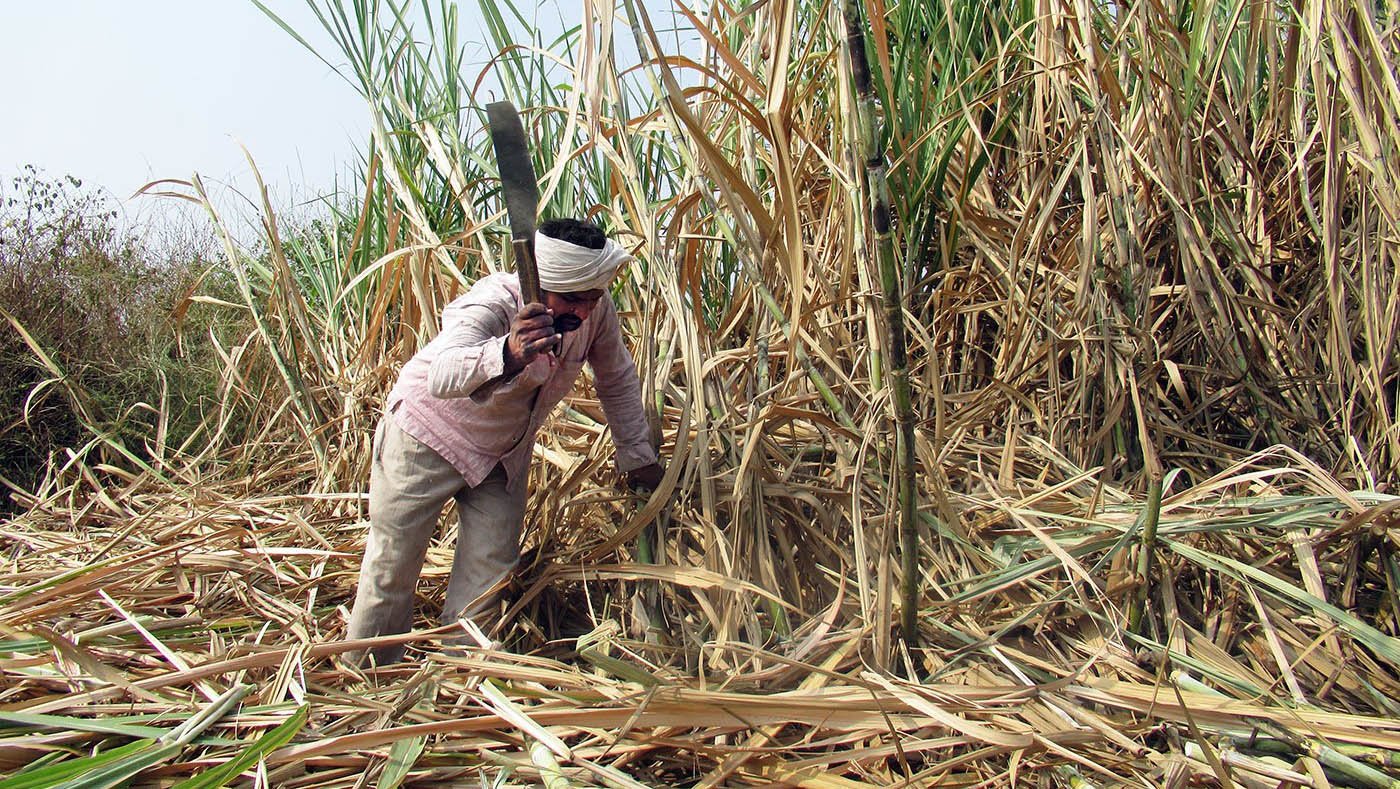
x,y
725,394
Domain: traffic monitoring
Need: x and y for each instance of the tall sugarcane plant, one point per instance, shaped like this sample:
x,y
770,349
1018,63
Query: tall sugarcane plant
x,y
871,155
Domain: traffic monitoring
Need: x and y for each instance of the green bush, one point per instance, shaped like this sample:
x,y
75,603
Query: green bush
x,y
103,354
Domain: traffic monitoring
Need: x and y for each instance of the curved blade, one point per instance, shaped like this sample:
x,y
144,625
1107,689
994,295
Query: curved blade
x,y
522,195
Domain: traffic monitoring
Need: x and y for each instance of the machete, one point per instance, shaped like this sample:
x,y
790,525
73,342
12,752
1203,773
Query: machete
x,y
518,187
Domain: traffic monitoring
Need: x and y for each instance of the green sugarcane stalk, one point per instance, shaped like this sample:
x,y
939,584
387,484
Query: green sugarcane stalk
x,y
651,540
650,543
1356,772
873,155
1146,552
1375,757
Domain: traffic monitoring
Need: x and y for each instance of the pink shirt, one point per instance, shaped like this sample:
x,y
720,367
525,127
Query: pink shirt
x,y
447,396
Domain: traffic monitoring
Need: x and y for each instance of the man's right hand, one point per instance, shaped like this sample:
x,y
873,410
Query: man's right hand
x,y
531,334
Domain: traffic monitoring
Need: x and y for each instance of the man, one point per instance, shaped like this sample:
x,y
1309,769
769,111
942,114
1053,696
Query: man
x,y
462,418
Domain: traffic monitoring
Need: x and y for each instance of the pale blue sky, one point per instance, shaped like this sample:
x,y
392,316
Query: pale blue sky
x,y
122,93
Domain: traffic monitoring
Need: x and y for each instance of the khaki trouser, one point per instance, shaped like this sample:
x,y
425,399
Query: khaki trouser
x,y
408,486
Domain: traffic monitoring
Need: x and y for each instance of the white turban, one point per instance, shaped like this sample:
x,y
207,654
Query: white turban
x,y
569,268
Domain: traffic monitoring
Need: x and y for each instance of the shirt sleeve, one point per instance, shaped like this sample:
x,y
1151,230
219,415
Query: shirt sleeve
x,y
470,354
615,378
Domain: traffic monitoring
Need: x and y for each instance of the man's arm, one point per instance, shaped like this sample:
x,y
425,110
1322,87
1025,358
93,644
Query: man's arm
x,y
480,350
615,376
470,354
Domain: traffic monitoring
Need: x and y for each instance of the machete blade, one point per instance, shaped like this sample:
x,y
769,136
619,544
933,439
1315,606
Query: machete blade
x,y
518,187
522,194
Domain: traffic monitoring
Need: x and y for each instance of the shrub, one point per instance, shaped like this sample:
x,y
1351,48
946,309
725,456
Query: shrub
x,y
95,302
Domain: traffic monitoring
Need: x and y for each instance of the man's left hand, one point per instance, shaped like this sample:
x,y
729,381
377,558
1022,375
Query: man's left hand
x,y
645,479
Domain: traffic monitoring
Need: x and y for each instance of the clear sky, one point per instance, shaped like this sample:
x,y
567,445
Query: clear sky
x,y
123,93
120,93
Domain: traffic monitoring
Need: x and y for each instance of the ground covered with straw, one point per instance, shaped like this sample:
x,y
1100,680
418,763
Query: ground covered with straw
x,y
1145,256
140,611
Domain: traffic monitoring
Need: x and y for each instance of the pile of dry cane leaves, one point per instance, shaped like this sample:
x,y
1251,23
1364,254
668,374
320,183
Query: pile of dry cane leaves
x,y
188,636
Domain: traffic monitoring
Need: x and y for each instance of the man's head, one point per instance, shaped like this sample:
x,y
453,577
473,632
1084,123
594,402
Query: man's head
x,y
576,262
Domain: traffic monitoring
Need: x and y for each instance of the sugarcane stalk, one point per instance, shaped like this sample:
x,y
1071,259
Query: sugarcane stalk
x,y
1146,551
878,192
1376,757
1392,571
651,544
777,615
550,774
1269,767
1355,771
